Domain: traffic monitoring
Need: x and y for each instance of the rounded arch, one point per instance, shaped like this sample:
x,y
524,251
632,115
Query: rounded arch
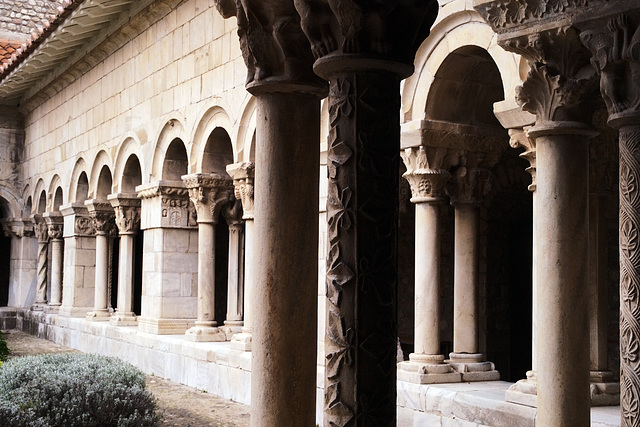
x,y
76,192
101,178
55,190
464,89
130,148
245,145
456,30
176,162
28,204
12,205
131,175
173,129
218,152
214,117
39,198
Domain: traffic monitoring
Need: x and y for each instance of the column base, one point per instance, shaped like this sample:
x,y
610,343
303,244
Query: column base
x,y
605,391
39,306
123,319
101,315
241,341
427,369
52,309
205,332
473,367
74,311
164,326
524,392
231,328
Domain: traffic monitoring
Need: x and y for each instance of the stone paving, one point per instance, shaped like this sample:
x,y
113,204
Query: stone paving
x,y
182,406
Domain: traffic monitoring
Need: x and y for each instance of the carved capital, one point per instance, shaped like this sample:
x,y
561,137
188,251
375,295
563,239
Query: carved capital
x,y
390,31
561,84
127,212
426,173
243,176
275,50
40,228
7,227
519,138
103,217
55,225
209,193
471,180
504,15
25,227
177,210
232,212
616,56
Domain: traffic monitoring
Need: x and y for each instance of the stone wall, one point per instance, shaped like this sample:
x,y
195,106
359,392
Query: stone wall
x,y
19,17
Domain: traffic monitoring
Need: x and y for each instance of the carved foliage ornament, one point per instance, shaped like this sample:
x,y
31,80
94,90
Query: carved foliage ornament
x,y
127,219
561,84
425,181
391,30
629,276
508,13
104,222
616,56
274,48
361,264
209,196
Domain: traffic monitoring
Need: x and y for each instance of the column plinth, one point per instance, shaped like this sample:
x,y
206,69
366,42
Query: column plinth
x,y
127,218
243,181
425,365
102,214
55,222
209,193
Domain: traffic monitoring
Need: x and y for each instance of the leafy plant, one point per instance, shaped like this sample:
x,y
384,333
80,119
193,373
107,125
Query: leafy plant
x,y
76,390
4,350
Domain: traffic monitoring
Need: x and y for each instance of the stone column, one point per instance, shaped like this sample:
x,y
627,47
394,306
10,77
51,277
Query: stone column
x,y
54,223
233,323
471,181
102,214
284,332
209,193
42,234
242,174
127,217
24,263
427,174
364,53
556,91
79,261
614,49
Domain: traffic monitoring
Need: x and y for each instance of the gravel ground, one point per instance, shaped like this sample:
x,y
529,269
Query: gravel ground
x,y
181,406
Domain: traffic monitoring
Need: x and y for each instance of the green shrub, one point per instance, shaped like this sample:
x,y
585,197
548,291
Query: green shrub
x,y
4,350
75,390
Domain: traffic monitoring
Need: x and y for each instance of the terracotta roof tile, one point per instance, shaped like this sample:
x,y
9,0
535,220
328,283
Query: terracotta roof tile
x,y
7,48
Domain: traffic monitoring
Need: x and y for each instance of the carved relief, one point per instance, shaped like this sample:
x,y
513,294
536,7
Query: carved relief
x,y
127,219
55,231
361,264
243,175
104,223
209,193
519,138
504,14
560,85
392,30
471,180
84,226
177,211
616,55
273,45
629,276
40,229
426,172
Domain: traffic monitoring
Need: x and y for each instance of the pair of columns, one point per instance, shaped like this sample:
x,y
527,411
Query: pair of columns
x,y
212,194
363,52
48,231
428,175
